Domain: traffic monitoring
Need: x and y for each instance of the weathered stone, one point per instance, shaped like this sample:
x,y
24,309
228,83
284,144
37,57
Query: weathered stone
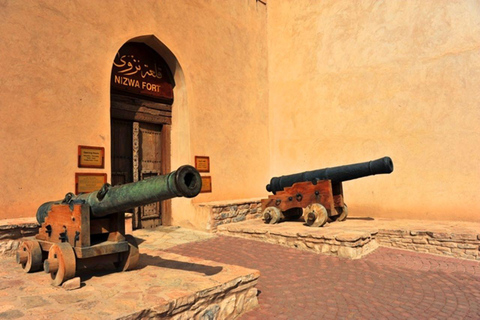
x,y
346,252
464,236
444,249
449,244
473,252
72,284
468,246
227,307
439,235
420,241
243,211
239,218
349,236
210,313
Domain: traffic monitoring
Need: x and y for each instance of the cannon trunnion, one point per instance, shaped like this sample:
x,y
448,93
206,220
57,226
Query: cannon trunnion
x,y
316,195
82,230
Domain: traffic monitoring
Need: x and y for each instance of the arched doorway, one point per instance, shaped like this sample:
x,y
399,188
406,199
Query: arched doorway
x,y
141,116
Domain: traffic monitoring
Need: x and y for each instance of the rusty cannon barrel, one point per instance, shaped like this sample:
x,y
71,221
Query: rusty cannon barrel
x,y
336,174
184,182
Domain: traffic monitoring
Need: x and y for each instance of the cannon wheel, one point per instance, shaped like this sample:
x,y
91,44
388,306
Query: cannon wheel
x,y
344,214
29,255
128,259
61,263
315,215
272,215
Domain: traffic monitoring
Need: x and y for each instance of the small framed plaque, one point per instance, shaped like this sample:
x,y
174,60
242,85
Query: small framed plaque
x,y
206,184
91,157
88,182
202,164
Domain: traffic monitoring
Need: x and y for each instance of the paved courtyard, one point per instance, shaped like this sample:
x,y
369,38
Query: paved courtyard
x,y
387,284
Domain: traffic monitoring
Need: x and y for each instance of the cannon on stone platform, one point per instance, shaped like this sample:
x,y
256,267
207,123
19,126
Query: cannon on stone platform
x,y
78,229
316,195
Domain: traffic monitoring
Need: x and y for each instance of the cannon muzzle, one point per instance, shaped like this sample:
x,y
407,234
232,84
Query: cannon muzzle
x,y
184,182
336,174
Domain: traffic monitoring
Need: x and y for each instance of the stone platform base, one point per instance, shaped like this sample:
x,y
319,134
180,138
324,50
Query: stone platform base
x,y
165,285
358,236
351,243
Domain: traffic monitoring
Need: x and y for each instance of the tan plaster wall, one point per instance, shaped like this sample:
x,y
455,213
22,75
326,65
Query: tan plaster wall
x,y
351,81
56,59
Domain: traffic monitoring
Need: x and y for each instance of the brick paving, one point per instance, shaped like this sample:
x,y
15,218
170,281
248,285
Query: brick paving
x,y
387,284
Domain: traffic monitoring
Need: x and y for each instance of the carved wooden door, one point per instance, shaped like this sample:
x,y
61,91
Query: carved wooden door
x,y
149,164
136,155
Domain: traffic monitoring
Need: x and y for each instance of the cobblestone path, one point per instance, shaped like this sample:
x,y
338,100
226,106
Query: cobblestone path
x,y
387,284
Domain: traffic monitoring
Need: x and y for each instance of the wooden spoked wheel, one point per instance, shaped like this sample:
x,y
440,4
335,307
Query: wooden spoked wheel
x,y
344,213
128,260
272,215
315,215
61,263
29,255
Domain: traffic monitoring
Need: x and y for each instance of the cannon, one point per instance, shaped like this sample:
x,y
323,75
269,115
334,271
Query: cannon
x,y
82,229
316,195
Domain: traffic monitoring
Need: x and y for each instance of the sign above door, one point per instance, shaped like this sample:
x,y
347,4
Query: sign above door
x,y
139,70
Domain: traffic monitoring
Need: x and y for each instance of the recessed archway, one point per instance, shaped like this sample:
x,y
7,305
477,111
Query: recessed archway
x,y
143,81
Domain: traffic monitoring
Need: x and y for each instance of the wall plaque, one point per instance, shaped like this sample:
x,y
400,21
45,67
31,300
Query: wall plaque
x,y
206,184
202,164
89,182
91,157
140,70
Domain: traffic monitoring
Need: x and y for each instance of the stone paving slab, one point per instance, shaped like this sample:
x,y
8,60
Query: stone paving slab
x,y
386,284
164,285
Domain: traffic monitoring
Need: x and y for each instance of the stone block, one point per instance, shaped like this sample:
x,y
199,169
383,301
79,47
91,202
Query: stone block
x,y
420,241
443,249
350,236
239,218
464,236
347,252
449,244
439,235
72,284
468,246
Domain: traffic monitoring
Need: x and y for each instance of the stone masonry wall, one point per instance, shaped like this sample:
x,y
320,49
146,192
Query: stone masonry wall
x,y
229,301
11,235
232,212
466,246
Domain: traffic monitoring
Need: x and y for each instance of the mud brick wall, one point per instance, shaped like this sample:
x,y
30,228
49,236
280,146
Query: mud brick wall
x,y
465,246
232,212
11,235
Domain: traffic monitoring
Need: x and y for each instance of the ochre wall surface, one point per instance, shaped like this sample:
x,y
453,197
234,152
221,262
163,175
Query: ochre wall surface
x,y
351,81
56,59
310,84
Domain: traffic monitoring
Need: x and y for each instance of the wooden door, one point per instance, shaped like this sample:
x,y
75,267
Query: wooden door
x,y
136,155
150,164
122,155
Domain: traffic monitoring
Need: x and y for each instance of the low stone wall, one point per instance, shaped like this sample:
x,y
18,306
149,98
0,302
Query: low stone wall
x,y
225,302
331,241
466,246
225,212
12,232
